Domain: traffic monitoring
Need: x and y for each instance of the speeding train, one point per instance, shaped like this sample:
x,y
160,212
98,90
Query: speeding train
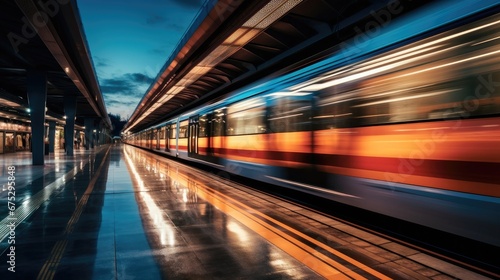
x,y
406,124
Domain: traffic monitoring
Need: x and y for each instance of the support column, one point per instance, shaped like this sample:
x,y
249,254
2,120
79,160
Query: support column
x,y
52,136
101,133
70,112
96,136
77,135
37,98
107,134
89,127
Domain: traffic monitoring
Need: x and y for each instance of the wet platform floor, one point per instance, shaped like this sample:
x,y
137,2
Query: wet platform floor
x,y
120,212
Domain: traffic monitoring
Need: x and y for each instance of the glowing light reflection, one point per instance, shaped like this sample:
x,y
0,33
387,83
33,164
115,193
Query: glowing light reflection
x,y
240,232
166,234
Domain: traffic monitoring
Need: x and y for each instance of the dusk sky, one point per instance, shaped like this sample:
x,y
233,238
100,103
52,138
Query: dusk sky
x,y
130,41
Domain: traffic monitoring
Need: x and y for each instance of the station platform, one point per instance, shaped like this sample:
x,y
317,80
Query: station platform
x,y
119,212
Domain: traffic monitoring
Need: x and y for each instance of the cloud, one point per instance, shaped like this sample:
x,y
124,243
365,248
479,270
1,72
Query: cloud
x,y
131,84
124,107
114,101
140,78
101,62
121,104
123,93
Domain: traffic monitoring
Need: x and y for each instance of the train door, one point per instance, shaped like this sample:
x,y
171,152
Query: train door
x,y
208,132
175,137
193,136
158,131
167,138
150,139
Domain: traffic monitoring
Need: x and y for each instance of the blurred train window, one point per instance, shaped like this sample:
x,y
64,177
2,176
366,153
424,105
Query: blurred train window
x,y
334,111
155,134
173,131
203,126
246,117
218,122
455,78
483,95
289,113
162,132
395,101
442,101
380,105
183,128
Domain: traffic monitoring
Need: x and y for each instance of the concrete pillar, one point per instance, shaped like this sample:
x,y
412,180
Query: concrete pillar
x,y
77,136
106,136
96,136
89,127
52,135
69,133
101,133
37,99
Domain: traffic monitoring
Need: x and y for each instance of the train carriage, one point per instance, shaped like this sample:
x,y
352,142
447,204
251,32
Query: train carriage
x,y
407,130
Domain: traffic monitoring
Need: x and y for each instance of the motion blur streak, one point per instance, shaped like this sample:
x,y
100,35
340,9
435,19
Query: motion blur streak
x,y
332,265
409,130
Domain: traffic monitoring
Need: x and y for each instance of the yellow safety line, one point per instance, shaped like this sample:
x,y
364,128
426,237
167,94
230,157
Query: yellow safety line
x,y
325,267
308,238
50,266
224,198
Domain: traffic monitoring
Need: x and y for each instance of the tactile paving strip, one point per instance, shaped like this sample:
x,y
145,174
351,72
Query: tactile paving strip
x,y
24,210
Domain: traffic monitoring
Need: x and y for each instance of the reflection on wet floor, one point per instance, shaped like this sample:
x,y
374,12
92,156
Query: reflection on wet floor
x,y
192,238
127,215
120,212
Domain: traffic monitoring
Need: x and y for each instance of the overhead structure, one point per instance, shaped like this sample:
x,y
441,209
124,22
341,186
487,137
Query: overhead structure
x,y
47,37
233,43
